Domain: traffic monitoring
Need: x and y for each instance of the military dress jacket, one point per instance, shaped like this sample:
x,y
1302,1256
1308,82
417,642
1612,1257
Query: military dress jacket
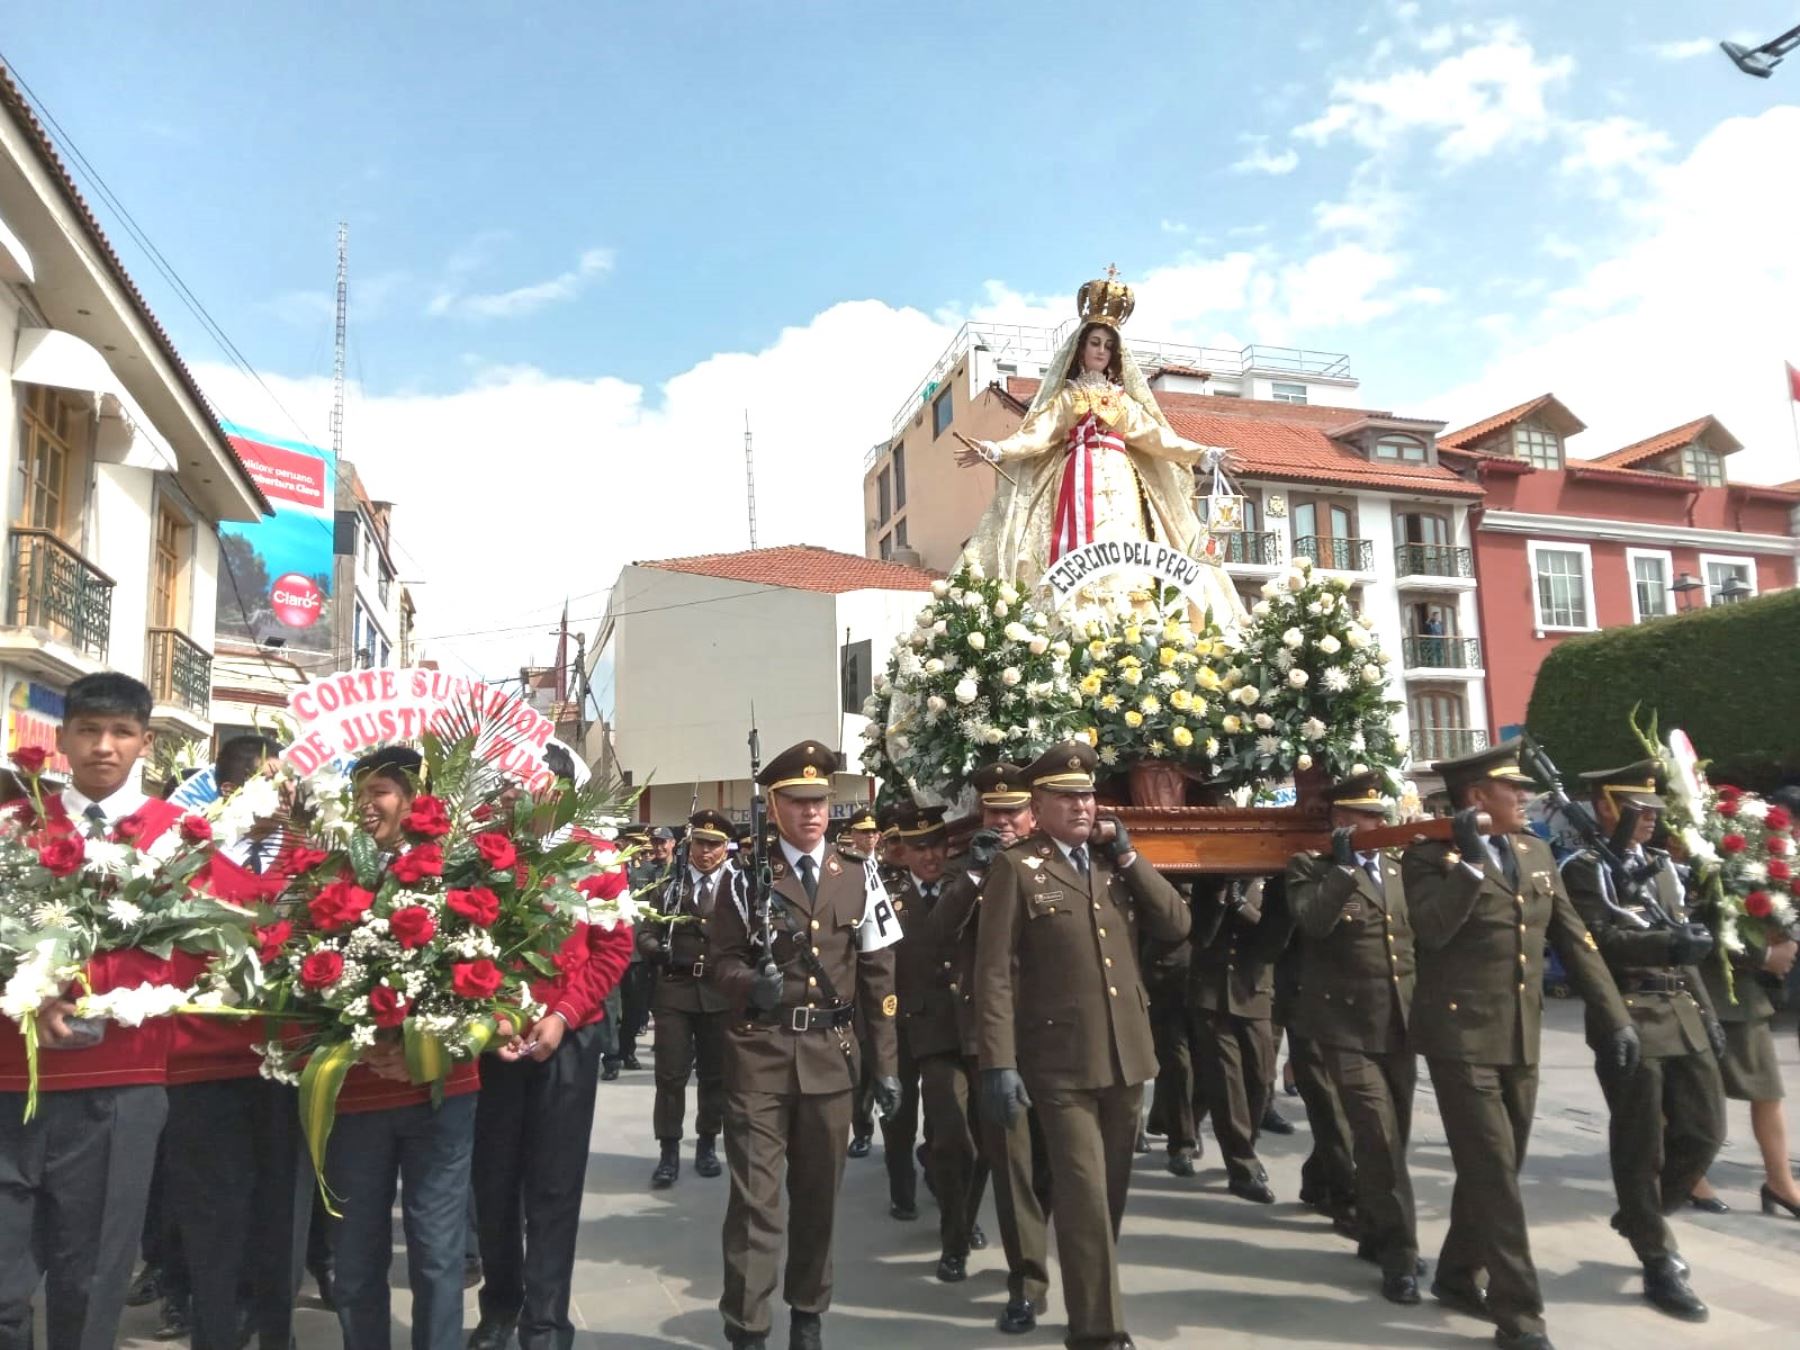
x,y
924,970
682,952
1058,996
1664,1000
1357,964
952,927
1480,993
1235,949
763,1054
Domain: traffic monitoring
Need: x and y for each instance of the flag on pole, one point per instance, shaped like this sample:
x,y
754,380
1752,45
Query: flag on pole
x,y
1793,382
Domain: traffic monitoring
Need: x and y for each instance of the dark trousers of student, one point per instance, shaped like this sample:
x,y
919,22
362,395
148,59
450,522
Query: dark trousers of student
x,y
427,1151
900,1132
532,1123
73,1186
635,990
240,1191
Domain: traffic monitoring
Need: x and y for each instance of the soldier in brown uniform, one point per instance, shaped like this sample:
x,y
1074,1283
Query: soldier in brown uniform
x,y
1064,1019
1012,1153
1240,927
920,848
1668,1118
1356,990
1482,909
791,1057
690,1011
867,835
1165,967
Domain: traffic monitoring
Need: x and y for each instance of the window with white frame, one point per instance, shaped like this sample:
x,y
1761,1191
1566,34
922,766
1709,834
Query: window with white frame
x,y
1288,393
1562,585
1400,450
1538,446
1721,572
1652,573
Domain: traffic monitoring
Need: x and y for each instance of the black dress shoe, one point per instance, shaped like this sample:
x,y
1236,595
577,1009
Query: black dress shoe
x,y
631,1062
492,1333
1251,1188
1143,1143
145,1289
1464,1298
1523,1340
1273,1122
668,1166
859,1146
1400,1289
952,1269
706,1157
471,1271
1667,1289
906,1211
1770,1201
977,1238
175,1322
1709,1204
609,1072
805,1332
1018,1318
327,1283
746,1340
1181,1162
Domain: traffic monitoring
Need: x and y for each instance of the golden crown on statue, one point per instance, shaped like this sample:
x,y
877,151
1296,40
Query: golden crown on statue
x,y
1105,300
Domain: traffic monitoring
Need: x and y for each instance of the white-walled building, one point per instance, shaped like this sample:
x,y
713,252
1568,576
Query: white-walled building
x,y
689,646
117,473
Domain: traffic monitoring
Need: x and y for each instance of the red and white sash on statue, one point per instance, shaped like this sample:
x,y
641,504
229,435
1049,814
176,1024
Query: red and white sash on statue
x,y
1074,523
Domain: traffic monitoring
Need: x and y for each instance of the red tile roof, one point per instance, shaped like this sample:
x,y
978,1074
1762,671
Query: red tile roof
x,y
13,101
1593,468
1190,371
1460,440
802,567
1290,441
1707,429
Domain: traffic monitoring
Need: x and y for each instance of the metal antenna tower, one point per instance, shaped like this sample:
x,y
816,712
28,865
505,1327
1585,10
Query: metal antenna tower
x,y
750,476
343,324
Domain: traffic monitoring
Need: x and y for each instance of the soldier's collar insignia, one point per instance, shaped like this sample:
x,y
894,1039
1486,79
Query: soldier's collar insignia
x,y
889,1006
831,865
1032,863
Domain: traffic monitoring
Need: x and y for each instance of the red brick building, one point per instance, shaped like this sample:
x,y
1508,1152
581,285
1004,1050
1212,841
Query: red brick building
x,y
1566,546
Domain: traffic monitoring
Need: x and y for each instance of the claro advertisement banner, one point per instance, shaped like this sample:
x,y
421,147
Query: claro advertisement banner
x,y
275,575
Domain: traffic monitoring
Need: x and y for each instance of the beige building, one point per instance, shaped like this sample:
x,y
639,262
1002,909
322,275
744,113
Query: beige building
x,y
117,474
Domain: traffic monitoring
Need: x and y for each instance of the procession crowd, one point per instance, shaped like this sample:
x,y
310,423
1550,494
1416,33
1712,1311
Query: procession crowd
x,y
1006,1003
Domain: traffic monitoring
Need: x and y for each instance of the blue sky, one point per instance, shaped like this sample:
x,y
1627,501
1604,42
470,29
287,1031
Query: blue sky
x,y
569,221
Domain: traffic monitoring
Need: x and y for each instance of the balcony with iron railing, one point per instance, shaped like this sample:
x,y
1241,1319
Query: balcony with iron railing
x,y
1252,548
1433,743
51,587
1440,653
1337,555
180,671
1433,560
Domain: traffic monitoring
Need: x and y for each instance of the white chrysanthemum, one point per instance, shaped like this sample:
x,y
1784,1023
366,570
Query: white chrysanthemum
x,y
1336,679
1268,746
1313,729
1752,870
1108,756
123,912
1168,679
52,914
1212,746
1752,807
1283,660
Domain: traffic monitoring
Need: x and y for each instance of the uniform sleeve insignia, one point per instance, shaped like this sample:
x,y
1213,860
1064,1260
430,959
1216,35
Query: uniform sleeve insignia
x,y
889,1006
831,866
1588,938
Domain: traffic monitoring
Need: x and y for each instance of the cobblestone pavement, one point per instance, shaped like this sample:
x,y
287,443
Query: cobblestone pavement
x,y
1200,1268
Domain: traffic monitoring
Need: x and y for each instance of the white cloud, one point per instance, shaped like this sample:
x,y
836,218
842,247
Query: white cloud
x,y
1259,159
593,264
1486,98
1600,153
1692,315
1685,49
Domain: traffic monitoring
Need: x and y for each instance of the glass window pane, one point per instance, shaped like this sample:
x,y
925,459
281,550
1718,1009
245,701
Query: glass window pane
x,y
1306,520
1288,393
1562,592
941,413
1537,446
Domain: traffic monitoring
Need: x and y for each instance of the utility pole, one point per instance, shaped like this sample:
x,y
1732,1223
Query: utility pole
x,y
750,476
342,334
581,691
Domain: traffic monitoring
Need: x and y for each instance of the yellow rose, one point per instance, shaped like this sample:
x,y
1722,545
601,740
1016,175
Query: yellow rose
x,y
1166,655
1207,678
1091,685
1181,700
1133,718
1133,633
1132,676
1091,736
1233,723
1182,737
1096,649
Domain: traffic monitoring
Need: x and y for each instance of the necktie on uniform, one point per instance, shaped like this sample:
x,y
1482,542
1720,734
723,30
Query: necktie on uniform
x,y
1078,856
96,819
1503,858
1371,864
809,876
703,900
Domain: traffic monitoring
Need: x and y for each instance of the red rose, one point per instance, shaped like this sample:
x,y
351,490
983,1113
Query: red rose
x,y
196,829
303,859
1778,870
128,829
573,954
1733,843
427,817
339,905
62,855
271,939
604,885
29,760
386,1007
1728,806
476,979
321,968
412,926
1779,845
1757,904
1777,819
478,905
414,865
496,851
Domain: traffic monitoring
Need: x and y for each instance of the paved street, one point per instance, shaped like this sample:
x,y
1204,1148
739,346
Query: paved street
x,y
1201,1268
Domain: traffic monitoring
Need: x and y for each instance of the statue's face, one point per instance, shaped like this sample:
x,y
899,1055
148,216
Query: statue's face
x,y
1097,349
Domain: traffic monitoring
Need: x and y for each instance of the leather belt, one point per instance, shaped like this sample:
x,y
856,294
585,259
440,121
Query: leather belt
x,y
813,1019
1655,984
693,972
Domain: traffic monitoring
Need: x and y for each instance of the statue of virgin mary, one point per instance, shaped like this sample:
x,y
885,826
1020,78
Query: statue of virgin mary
x,y
1096,460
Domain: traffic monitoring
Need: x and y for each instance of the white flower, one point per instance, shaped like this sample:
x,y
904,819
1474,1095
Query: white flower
x,y
1313,729
1296,581
1168,679
1371,674
1001,610
1247,694
1009,592
1038,645
1284,660
977,640
1264,722
1212,746
975,571
1367,621
51,914
973,600
1017,632
1260,609
1268,746
1329,645
941,628
936,704
1297,678
994,736
1108,756
1357,743
940,589
1336,679
103,857
1271,588
123,912
1356,638
1060,649
1293,639
935,666
966,691
1359,768
1303,565
1305,761
908,666
1382,657
1753,871
1752,807
1010,676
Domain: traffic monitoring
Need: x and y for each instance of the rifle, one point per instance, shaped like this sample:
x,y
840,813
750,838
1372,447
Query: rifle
x,y
762,879
1628,880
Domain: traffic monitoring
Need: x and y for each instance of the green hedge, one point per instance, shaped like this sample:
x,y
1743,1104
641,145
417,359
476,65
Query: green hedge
x,y
1728,676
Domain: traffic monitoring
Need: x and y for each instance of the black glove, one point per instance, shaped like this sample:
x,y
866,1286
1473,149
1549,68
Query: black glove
x,y
1466,827
1343,852
1690,944
650,944
1715,1033
1003,1095
984,847
1119,845
765,989
1622,1053
887,1097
